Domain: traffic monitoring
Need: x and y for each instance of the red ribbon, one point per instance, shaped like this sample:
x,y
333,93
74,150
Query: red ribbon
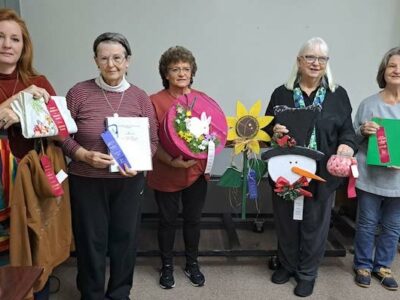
x,y
282,185
382,145
57,118
56,187
351,187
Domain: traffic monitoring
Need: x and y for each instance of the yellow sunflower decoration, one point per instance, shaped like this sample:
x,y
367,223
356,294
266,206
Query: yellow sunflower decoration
x,y
245,130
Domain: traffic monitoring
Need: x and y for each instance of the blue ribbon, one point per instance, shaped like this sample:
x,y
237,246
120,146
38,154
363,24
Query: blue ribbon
x,y
115,149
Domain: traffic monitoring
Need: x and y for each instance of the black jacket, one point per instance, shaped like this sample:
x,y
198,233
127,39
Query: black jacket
x,y
333,127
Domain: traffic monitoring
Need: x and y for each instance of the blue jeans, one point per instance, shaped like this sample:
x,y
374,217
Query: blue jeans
x,y
374,210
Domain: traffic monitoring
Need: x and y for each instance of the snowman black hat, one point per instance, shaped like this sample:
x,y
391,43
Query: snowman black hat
x,y
300,122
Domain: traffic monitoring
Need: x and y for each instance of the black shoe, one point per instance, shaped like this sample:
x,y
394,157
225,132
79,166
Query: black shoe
x,y
304,288
281,276
167,280
363,277
192,271
274,263
385,276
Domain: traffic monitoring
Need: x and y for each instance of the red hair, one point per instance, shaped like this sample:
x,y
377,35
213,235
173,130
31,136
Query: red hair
x,y
24,64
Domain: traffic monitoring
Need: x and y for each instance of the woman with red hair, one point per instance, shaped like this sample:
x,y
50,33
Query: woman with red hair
x,y
16,74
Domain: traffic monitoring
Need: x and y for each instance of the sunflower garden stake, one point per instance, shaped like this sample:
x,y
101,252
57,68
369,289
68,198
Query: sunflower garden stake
x,y
245,131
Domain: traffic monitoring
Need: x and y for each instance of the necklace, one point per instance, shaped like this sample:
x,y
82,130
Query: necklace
x,y
115,112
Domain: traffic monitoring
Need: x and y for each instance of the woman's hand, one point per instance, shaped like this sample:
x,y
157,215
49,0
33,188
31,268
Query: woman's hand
x,y
95,159
343,149
7,117
127,172
368,128
38,92
180,163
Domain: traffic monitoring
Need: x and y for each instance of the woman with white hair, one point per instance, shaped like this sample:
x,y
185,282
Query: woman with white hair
x,y
302,243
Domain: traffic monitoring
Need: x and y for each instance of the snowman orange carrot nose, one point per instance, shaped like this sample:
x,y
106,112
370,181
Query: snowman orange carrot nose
x,y
306,173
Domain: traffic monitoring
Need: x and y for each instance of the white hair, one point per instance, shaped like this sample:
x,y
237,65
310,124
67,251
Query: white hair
x,y
327,79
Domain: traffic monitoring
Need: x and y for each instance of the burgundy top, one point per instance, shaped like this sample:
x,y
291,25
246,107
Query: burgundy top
x,y
89,108
9,86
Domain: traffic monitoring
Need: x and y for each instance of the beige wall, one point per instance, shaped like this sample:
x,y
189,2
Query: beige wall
x,y
244,48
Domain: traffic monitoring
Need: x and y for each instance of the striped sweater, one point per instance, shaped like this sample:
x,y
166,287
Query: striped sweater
x,y
89,108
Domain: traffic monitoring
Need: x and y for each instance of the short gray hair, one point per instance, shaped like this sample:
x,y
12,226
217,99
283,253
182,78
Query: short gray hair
x,y
112,37
380,77
327,79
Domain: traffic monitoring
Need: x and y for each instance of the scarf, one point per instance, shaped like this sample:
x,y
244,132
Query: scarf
x,y
299,103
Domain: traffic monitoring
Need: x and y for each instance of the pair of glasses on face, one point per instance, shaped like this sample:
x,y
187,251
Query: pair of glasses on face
x,y
116,59
310,59
176,70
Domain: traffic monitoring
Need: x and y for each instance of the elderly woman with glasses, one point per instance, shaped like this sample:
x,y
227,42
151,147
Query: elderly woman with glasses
x,y
105,206
301,244
378,190
175,179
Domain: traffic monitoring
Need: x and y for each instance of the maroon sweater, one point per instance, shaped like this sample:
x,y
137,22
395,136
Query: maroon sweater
x,y
89,108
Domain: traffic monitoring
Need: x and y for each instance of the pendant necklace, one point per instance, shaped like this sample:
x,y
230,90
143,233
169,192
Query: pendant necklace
x,y
115,112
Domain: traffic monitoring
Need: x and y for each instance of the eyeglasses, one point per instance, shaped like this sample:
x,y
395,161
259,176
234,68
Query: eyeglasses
x,y
116,59
177,70
312,58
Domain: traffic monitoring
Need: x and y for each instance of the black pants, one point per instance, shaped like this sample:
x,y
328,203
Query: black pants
x,y
193,198
105,219
301,244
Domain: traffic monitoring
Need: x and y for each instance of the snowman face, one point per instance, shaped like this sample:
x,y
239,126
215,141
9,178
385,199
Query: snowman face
x,y
281,165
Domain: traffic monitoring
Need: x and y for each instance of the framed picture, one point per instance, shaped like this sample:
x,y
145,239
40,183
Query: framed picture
x,y
133,138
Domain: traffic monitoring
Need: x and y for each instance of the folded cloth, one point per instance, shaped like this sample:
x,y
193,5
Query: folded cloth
x,y
37,120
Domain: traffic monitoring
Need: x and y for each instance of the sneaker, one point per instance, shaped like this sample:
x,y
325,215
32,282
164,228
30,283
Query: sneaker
x,y
385,276
167,280
304,288
281,276
363,277
192,271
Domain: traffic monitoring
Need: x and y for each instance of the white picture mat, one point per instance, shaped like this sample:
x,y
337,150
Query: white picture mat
x,y
133,136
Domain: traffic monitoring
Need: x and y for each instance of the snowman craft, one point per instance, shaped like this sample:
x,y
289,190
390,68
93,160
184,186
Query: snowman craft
x,y
291,164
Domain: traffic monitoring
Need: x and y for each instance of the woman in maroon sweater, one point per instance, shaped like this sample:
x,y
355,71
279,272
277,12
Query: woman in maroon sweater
x,y
16,75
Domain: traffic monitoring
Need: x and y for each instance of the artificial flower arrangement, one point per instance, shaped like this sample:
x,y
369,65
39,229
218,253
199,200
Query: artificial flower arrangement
x,y
194,131
194,127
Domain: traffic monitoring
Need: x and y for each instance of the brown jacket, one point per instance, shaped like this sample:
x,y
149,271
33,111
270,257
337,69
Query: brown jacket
x,y
40,224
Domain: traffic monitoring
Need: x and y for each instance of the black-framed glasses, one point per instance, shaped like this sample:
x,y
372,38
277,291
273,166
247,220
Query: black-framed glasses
x,y
323,60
